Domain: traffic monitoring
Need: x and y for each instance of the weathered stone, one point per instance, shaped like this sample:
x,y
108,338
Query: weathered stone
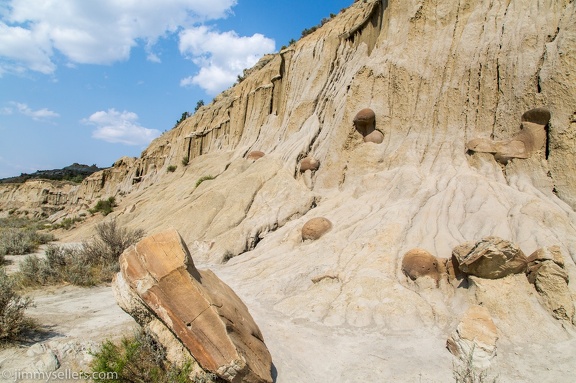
x,y
202,311
418,263
540,116
550,253
491,258
309,163
364,121
546,272
254,155
375,136
475,337
315,228
531,138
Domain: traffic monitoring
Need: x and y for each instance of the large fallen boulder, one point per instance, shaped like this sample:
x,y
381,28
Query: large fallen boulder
x,y
204,314
490,258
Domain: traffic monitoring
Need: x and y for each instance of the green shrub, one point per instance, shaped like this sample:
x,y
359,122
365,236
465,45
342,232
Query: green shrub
x,y
185,160
13,322
67,223
61,265
171,168
93,262
204,178
21,240
104,206
141,358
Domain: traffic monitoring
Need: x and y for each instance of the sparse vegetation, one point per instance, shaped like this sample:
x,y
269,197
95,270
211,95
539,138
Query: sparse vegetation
x,y
141,358
93,262
204,178
185,160
171,168
199,104
466,372
67,223
13,322
104,206
20,235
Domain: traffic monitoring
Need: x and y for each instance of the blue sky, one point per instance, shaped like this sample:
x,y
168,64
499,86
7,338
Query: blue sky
x,y
89,81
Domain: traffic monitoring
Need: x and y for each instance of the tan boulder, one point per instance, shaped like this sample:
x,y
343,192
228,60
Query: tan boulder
x,y
254,155
490,258
206,316
546,272
309,163
315,228
375,136
475,337
418,263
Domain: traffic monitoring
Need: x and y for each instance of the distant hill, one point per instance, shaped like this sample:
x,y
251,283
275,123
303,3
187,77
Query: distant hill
x,y
75,173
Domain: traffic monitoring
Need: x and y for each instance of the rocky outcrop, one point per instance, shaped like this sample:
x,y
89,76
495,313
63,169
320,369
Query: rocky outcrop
x,y
531,138
475,337
206,316
547,273
315,228
490,258
309,163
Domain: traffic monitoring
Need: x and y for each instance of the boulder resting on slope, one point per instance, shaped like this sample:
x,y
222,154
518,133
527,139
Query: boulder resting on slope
x,y
204,314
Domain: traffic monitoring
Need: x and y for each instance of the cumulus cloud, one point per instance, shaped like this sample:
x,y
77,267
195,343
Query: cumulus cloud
x,y
120,127
95,32
221,56
24,109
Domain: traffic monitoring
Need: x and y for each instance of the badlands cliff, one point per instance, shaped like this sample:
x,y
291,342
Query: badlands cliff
x,y
438,76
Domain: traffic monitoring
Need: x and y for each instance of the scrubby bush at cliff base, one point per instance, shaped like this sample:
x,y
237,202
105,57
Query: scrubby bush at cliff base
x,y
141,358
13,322
21,240
465,372
92,262
110,241
61,265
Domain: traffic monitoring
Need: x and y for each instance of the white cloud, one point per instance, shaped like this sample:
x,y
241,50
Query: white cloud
x,y
24,109
95,32
120,127
221,56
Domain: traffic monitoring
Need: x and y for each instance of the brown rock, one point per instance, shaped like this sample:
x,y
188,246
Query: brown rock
x,y
315,228
254,155
206,316
418,263
539,116
551,253
546,272
490,258
477,335
365,117
309,163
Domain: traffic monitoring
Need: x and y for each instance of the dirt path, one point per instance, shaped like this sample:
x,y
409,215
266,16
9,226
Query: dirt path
x,y
74,321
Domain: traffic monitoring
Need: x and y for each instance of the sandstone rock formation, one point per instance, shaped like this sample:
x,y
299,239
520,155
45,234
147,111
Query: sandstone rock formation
x,y
254,155
315,228
546,271
365,124
418,263
309,163
207,317
531,138
475,336
490,258
436,75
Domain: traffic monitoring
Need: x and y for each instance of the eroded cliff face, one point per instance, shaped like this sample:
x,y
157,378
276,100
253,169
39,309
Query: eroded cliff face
x,y
436,75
